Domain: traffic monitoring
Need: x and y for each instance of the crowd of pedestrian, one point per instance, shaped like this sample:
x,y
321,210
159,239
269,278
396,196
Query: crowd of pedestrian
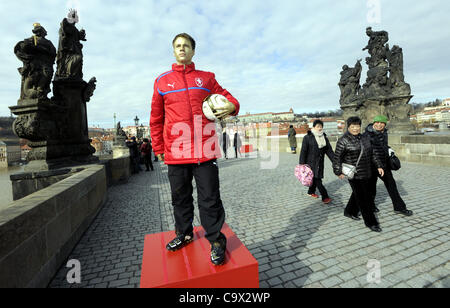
x,y
362,159
140,153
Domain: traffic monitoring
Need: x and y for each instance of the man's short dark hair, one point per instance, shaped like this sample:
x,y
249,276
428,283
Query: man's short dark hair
x,y
186,36
316,122
353,120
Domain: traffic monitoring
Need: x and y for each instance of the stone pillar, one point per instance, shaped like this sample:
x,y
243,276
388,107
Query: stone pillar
x,y
57,128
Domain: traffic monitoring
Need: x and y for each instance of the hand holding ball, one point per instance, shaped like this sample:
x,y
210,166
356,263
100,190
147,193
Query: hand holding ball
x,y
216,107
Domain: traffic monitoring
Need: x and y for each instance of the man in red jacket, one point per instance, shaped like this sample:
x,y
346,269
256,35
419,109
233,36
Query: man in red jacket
x,y
186,141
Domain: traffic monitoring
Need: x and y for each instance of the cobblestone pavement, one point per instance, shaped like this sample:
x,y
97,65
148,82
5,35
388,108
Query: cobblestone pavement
x,y
297,240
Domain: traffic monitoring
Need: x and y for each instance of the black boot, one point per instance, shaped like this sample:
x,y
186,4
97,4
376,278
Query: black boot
x,y
180,241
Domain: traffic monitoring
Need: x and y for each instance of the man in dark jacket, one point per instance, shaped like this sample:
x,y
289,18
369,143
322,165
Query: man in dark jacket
x,y
134,154
292,136
378,135
237,143
314,148
146,151
225,143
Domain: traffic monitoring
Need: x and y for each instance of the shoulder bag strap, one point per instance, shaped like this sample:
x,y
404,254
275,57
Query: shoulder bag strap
x,y
360,155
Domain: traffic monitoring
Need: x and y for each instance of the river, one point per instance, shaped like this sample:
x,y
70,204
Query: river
x,y
5,185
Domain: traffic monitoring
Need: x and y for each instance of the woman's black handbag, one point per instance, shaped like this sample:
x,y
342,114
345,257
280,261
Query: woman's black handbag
x,y
394,162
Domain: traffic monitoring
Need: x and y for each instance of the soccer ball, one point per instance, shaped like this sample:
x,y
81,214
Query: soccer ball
x,y
211,103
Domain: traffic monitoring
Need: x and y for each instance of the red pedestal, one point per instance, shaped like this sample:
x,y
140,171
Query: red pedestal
x,y
191,267
247,148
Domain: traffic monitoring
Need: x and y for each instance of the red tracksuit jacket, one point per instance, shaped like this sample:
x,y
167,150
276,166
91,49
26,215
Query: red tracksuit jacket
x,y
179,129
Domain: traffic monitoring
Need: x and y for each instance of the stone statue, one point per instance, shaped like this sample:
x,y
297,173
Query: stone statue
x,y
396,77
57,128
395,58
120,131
377,48
349,83
38,56
385,90
70,57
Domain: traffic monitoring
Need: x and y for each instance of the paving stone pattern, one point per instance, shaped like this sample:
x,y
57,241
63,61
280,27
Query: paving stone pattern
x,y
297,240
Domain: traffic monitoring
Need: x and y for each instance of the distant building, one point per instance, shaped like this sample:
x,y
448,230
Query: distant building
x,y
3,155
24,150
103,145
331,127
434,115
132,131
267,117
10,153
98,146
446,102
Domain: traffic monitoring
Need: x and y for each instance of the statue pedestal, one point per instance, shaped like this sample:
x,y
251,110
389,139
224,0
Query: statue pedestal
x,y
56,128
190,267
396,109
119,148
120,151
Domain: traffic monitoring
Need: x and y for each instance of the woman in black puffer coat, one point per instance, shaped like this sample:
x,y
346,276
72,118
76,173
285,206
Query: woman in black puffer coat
x,y
348,149
314,148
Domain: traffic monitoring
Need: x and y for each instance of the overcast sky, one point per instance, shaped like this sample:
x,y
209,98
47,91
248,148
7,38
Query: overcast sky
x,y
271,55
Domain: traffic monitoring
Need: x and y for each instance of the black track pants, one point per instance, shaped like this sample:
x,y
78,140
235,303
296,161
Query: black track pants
x,y
212,213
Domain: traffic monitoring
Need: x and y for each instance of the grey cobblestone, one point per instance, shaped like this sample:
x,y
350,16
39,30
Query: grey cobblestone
x,y
331,282
297,241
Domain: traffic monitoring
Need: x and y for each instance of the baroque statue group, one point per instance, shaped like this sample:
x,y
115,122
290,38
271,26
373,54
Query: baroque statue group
x,y
56,127
385,90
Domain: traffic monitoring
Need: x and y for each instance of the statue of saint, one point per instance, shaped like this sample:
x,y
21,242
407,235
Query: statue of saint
x,y
395,58
376,47
70,56
120,131
349,83
38,56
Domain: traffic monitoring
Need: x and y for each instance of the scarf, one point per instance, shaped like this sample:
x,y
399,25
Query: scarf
x,y
320,138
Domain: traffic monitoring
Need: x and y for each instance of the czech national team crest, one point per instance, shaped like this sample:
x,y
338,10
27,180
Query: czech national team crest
x,y
199,82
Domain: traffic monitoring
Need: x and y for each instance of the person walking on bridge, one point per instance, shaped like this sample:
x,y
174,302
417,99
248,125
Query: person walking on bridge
x,y
314,148
378,135
354,152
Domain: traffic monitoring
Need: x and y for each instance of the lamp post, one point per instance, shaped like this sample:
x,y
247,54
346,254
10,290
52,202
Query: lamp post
x,y
136,121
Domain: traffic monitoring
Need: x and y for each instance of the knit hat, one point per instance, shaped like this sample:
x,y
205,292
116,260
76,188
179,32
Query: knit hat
x,y
381,119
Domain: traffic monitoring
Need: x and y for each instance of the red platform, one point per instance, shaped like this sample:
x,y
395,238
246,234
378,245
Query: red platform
x,y
191,267
247,148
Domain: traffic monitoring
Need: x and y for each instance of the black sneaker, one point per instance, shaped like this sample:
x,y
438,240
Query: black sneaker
x,y
405,212
218,253
376,228
180,241
351,216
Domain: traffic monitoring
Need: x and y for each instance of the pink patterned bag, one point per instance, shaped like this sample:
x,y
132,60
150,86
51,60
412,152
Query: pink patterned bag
x,y
304,174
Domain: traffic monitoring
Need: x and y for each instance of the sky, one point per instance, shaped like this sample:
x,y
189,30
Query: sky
x,y
270,55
